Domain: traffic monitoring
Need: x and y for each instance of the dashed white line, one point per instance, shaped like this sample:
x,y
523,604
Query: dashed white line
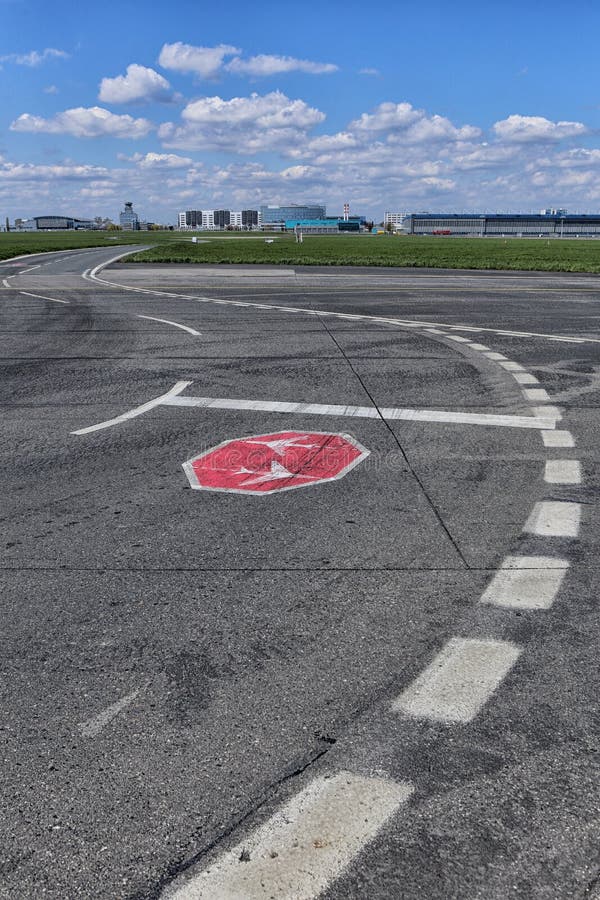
x,y
94,726
536,394
554,518
525,378
511,366
562,471
458,338
363,412
526,582
132,413
491,354
304,846
5,283
554,412
42,297
461,678
479,346
175,324
558,438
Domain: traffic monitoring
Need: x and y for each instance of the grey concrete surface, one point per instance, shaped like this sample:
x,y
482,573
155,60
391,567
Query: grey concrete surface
x,y
176,663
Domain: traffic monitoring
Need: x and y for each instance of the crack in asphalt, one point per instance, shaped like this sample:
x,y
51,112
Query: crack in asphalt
x,y
396,440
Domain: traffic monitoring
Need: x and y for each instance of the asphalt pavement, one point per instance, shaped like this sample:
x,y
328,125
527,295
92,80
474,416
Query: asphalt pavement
x,y
360,674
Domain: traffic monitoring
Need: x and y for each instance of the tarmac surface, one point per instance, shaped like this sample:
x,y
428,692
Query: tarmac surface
x,y
379,686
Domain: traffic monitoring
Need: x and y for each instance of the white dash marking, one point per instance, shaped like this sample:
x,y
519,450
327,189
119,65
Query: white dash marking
x,y
526,582
480,347
42,297
545,412
5,283
363,412
132,413
491,354
511,366
304,846
558,438
94,726
536,394
554,518
457,337
175,324
461,678
434,331
562,471
525,378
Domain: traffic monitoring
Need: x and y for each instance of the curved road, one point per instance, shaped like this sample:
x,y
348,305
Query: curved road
x,y
382,685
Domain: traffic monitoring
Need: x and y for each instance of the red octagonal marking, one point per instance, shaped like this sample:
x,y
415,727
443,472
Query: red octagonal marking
x,y
282,461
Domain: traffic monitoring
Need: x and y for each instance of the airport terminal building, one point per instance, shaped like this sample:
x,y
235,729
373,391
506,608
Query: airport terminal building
x,y
556,224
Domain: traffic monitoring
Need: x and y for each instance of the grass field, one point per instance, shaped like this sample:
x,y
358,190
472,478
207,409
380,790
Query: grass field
x,y
382,250
15,244
364,250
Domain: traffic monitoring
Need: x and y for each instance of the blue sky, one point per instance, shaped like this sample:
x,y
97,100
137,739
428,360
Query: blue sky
x,y
400,106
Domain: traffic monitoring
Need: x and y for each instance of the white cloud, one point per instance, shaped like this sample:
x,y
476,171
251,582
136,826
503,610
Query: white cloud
x,y
412,125
139,85
369,71
85,122
34,57
523,129
158,160
265,64
242,124
203,61
51,89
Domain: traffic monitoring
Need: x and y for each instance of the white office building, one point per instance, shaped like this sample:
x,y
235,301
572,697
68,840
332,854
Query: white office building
x,y
395,219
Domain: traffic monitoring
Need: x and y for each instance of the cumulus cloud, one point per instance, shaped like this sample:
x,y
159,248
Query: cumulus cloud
x,y
523,129
265,64
87,122
242,124
205,62
34,57
158,160
413,124
139,85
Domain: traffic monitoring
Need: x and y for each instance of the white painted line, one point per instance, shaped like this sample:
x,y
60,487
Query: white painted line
x,y
457,337
558,438
30,269
41,297
491,354
525,378
511,366
94,726
5,283
554,518
562,471
459,681
304,846
479,347
434,331
536,394
363,412
526,582
132,413
175,324
407,323
545,412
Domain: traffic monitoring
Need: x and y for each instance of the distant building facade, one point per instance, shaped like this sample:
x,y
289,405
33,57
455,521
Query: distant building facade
x,y
128,219
54,223
218,219
498,225
278,215
395,219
